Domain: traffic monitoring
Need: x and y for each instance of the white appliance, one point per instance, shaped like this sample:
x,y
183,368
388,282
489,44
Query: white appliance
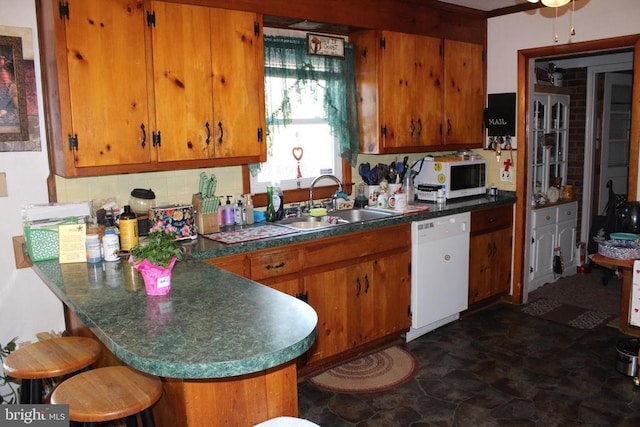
x,y
439,272
457,176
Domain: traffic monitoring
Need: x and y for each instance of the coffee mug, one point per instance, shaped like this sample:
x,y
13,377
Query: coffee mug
x,y
382,201
398,201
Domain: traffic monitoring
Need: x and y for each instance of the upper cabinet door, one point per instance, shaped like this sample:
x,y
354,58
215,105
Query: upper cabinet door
x,y
182,81
429,96
107,87
464,93
398,85
238,84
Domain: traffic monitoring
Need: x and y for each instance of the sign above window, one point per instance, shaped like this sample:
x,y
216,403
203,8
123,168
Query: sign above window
x,y
325,45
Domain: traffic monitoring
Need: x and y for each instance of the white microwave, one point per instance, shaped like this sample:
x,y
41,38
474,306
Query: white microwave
x,y
458,177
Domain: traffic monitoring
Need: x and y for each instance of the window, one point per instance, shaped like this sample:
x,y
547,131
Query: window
x,y
311,115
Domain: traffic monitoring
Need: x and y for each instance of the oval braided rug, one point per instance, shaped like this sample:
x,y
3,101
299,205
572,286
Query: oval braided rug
x,y
375,372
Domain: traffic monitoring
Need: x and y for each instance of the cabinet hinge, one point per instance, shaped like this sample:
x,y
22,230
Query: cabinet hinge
x,y
409,310
256,29
383,43
441,50
409,268
151,19
383,131
530,269
303,296
259,134
73,141
156,139
63,10
533,240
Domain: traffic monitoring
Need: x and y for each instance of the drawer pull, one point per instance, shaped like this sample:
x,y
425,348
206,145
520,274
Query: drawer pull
x,y
547,217
493,219
269,267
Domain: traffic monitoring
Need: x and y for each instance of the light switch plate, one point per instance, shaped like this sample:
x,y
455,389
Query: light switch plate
x,y
505,176
3,184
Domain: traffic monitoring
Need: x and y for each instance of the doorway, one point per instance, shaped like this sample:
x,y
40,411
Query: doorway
x,y
526,60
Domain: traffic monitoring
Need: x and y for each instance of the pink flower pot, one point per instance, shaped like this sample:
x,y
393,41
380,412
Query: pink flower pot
x,y
157,280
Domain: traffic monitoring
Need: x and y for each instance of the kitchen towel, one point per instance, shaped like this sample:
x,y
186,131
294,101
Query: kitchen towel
x,y
249,233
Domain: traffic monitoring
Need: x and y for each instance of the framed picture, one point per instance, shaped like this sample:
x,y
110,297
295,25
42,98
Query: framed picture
x,y
324,45
14,125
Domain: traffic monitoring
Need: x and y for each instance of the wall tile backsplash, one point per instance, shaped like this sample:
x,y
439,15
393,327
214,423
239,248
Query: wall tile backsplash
x,y
169,187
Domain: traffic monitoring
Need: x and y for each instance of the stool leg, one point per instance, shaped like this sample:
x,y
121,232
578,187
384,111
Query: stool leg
x,y
132,421
147,418
36,391
25,391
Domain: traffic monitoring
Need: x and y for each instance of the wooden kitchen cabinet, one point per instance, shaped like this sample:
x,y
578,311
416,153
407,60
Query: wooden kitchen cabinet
x,y
209,64
552,227
278,269
95,66
360,288
490,253
418,93
359,285
131,90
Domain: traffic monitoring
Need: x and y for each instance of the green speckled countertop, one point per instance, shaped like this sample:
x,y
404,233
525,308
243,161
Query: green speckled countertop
x,y
203,248
212,324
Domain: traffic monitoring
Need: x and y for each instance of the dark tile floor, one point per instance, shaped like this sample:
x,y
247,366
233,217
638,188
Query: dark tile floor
x,y
497,367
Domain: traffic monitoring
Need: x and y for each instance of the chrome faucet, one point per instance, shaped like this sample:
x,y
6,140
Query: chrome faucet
x,y
313,184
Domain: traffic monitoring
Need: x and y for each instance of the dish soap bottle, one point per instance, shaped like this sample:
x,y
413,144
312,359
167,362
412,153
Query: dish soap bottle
x,y
278,200
270,214
229,214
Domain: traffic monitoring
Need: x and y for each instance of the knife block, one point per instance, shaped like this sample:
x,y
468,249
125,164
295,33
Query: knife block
x,y
206,223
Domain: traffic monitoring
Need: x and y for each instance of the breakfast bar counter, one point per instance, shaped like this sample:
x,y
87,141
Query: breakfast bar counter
x,y
215,339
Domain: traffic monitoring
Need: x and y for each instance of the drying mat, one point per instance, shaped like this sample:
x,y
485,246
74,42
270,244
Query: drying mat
x,y
376,372
566,314
249,233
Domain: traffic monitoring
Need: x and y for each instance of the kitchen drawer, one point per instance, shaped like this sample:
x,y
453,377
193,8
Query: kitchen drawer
x,y
274,263
356,245
238,264
567,212
487,219
542,217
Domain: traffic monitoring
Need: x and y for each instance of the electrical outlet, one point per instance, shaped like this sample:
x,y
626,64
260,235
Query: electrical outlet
x,y
505,176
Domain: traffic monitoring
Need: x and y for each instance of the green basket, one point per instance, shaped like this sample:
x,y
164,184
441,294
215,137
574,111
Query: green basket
x,y
42,242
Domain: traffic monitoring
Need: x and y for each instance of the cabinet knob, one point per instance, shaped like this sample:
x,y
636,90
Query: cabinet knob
x,y
547,217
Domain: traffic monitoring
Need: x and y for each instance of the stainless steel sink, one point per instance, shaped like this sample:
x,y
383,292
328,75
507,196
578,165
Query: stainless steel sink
x,y
333,219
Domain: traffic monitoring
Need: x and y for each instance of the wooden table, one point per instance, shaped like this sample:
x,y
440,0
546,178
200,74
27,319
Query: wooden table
x,y
626,266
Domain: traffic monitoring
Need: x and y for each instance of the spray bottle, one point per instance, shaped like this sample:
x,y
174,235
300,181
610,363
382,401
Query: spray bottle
x,y
248,208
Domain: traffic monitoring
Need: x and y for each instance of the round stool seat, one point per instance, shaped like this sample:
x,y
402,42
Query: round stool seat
x,y
106,394
51,358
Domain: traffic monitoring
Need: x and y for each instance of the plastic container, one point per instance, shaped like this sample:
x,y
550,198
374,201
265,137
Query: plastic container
x,y
248,207
110,245
94,249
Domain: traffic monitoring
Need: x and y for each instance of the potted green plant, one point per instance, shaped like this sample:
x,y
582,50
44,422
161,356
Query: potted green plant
x,y
155,258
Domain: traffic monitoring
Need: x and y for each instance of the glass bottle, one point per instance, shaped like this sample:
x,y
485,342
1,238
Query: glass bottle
x,y
271,212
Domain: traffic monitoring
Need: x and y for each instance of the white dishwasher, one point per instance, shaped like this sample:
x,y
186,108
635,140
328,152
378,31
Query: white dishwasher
x,y
439,272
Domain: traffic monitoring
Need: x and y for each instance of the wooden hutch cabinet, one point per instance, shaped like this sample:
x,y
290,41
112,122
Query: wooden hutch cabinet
x,y
141,86
418,93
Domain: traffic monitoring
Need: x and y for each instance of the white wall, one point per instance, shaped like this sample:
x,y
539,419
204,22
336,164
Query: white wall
x,y
26,304
593,20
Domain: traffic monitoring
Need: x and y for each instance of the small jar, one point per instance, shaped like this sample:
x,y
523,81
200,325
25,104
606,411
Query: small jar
x,y
94,249
567,192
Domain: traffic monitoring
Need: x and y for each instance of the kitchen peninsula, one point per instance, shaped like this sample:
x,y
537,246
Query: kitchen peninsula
x,y
225,346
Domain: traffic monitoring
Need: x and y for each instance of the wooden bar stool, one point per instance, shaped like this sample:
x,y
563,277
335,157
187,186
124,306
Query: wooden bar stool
x,y
48,359
111,393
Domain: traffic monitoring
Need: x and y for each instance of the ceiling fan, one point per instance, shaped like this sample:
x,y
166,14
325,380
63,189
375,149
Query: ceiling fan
x,y
551,3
